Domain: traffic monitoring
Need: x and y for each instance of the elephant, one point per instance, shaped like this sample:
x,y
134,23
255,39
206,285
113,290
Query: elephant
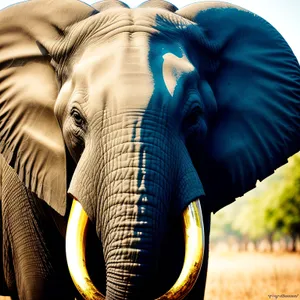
x,y
119,127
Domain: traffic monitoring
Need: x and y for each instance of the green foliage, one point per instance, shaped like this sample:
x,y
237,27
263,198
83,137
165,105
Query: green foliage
x,y
272,209
283,211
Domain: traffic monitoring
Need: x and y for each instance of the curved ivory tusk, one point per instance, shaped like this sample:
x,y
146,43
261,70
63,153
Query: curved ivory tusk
x,y
75,250
194,251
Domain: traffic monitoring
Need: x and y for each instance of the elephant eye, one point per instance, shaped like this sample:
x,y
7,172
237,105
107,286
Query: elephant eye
x,y
78,119
194,116
193,125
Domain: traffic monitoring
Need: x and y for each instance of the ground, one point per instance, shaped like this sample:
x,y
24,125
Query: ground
x,y
236,276
250,275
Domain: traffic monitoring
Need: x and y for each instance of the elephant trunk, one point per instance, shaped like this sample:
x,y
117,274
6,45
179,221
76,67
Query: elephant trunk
x,y
131,252
134,171
132,221
128,173
194,252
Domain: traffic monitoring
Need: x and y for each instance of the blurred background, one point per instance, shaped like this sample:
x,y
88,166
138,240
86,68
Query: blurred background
x,y
255,247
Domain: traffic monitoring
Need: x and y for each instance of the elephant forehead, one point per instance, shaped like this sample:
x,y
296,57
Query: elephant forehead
x,y
115,74
130,72
106,25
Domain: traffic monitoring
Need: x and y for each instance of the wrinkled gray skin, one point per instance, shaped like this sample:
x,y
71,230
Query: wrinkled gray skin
x,y
124,130
131,109
133,160
102,122
33,249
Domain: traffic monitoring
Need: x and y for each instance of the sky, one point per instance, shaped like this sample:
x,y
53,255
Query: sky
x,y
283,15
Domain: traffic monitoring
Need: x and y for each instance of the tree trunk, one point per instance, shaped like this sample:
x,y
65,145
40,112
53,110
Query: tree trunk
x,y
294,242
255,244
270,240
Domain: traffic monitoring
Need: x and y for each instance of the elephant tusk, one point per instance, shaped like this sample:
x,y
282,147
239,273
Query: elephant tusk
x,y
194,252
75,251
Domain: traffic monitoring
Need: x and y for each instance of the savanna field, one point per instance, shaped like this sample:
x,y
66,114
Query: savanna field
x,y
250,275
268,216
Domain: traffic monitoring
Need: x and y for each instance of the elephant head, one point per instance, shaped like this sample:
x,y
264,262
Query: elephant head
x,y
157,107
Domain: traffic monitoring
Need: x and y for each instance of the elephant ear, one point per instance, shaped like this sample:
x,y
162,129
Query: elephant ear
x,y
255,80
30,137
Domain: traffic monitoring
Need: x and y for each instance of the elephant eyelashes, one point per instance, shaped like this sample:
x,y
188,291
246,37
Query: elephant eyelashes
x,y
194,116
194,127
76,129
77,118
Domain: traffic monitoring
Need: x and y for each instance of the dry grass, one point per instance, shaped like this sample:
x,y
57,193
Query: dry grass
x,y
243,276
237,276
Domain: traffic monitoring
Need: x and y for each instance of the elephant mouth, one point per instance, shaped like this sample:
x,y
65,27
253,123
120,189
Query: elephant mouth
x,y
194,252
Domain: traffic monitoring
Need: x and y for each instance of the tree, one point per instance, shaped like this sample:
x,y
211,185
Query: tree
x,y
283,211
272,209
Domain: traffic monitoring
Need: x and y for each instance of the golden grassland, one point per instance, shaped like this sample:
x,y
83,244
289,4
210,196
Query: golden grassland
x,y
250,275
